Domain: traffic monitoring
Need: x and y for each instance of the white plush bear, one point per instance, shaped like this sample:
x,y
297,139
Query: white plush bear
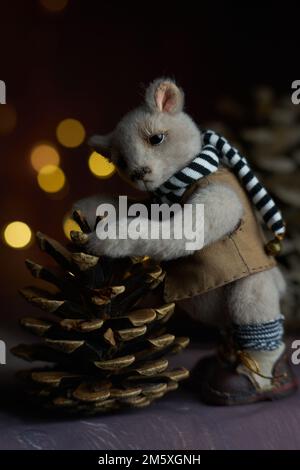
x,y
231,282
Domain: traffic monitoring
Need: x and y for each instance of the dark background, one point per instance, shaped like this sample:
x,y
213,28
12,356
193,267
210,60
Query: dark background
x,y
91,62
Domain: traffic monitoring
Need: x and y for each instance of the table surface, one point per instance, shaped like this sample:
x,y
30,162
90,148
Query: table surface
x,y
178,421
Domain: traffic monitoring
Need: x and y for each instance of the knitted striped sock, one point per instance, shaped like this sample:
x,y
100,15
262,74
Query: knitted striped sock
x,y
259,336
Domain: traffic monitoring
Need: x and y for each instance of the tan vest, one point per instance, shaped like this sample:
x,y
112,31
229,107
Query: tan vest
x,y
238,255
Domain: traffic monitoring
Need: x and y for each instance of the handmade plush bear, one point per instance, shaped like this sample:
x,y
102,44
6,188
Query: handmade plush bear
x,y
232,282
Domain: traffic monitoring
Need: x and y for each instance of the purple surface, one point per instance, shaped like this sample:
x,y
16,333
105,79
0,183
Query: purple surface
x,y
179,421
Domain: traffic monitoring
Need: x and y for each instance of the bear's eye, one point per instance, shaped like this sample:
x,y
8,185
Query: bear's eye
x,y
157,139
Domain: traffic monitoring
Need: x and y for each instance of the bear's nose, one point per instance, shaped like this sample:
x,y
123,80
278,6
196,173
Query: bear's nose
x,y
140,173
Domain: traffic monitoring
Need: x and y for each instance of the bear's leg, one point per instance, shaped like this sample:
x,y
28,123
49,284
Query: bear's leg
x,y
255,367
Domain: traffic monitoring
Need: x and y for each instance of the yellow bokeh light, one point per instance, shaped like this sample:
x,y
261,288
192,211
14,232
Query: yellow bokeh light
x,y
8,118
51,179
54,5
17,234
70,133
100,166
68,225
42,155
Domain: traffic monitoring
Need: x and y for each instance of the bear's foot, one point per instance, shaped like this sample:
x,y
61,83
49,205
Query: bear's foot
x,y
243,377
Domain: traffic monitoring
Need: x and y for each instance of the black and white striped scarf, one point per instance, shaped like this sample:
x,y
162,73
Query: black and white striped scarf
x,y
217,150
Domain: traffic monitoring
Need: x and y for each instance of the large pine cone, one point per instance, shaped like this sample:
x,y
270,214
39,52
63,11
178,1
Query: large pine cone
x,y
106,352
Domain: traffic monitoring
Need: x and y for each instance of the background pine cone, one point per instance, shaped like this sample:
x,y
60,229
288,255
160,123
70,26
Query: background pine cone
x,y
266,129
107,353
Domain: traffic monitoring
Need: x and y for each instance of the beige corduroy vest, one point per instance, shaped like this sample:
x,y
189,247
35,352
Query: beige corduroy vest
x,y
238,255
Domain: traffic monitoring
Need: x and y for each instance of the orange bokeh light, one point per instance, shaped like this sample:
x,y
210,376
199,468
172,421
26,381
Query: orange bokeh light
x,y
42,155
8,118
54,5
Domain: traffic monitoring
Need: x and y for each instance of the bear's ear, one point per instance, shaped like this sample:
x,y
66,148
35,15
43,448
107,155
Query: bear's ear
x,y
101,143
165,96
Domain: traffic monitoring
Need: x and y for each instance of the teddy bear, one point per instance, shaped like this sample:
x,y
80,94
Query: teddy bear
x,y
232,281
